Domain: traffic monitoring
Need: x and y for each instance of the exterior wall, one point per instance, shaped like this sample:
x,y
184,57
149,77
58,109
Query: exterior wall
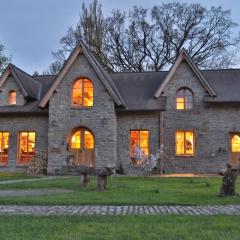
x,y
63,118
135,121
211,125
9,85
16,124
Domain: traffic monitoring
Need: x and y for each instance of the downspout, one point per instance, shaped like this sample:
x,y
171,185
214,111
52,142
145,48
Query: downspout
x,y
161,128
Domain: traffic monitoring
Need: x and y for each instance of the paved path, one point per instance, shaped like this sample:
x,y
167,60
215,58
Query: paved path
x,y
33,179
119,210
32,192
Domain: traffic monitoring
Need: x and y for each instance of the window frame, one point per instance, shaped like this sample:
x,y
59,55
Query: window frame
x,y
176,97
9,95
1,154
139,130
18,163
72,87
194,144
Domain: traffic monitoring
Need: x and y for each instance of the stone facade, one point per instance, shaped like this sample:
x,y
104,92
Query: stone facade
x,y
111,126
135,121
14,124
211,125
8,86
100,119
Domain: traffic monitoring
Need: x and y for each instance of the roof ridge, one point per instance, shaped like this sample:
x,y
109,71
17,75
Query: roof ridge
x,y
24,73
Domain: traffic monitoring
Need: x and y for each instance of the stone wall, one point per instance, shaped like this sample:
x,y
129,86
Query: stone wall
x,y
16,124
9,85
211,124
135,121
63,118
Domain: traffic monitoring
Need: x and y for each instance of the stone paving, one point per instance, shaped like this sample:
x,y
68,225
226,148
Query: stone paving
x,y
119,210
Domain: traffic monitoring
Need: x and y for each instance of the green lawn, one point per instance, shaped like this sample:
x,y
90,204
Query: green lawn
x,y
120,228
15,176
127,190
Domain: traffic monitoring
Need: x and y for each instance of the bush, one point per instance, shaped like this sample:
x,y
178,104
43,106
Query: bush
x,y
39,163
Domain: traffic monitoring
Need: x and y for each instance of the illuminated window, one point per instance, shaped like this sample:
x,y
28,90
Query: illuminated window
x,y
235,143
4,139
26,147
12,97
82,93
185,143
184,99
82,139
139,146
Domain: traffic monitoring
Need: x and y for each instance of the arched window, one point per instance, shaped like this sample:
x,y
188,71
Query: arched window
x,y
12,97
82,93
184,99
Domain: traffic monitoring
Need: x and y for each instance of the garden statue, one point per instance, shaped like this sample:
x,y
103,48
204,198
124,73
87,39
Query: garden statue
x,y
229,182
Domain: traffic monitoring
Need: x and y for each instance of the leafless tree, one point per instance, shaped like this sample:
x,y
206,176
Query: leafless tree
x,y
142,39
4,60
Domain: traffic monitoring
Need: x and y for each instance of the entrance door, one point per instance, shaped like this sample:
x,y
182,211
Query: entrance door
x,y
235,149
82,148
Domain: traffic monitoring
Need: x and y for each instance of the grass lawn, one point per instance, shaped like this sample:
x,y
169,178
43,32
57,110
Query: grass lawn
x,y
15,176
127,190
124,227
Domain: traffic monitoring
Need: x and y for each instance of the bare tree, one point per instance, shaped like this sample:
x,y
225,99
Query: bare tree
x,y
4,60
143,39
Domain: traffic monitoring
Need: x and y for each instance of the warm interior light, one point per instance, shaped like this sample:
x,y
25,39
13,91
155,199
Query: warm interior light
x,y
26,147
12,97
184,143
4,139
235,143
82,93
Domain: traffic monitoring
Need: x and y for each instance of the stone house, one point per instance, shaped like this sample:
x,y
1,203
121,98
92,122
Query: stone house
x,y
99,119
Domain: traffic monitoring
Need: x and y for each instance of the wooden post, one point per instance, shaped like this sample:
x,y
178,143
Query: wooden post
x,y
85,179
102,182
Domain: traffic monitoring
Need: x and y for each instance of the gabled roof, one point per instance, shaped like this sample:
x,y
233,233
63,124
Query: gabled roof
x,y
137,90
104,77
28,85
183,56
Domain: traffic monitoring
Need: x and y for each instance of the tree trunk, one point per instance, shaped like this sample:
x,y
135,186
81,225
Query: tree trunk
x,y
85,179
102,182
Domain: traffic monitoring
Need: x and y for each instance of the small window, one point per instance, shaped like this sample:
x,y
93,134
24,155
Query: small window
x,y
4,144
139,146
184,99
26,147
235,143
82,93
185,143
12,97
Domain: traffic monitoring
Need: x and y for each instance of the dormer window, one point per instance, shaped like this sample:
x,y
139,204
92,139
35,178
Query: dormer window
x,y
82,93
12,97
184,99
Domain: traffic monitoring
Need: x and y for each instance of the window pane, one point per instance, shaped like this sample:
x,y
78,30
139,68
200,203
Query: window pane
x,y
12,97
134,143
236,143
179,143
26,147
4,139
88,93
144,142
76,140
189,143
77,98
180,103
184,99
88,140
